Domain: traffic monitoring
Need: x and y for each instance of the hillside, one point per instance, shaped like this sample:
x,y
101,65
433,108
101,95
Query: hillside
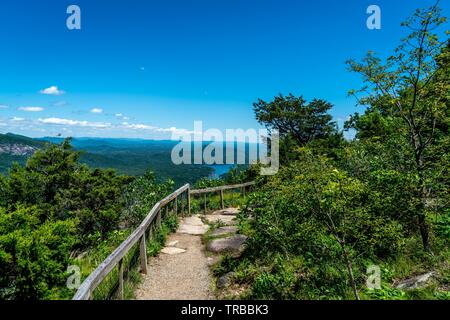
x,y
16,148
128,156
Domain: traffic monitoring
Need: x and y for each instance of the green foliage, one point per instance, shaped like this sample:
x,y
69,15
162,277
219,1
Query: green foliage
x,y
298,124
442,225
140,197
336,207
33,255
293,116
208,183
410,91
53,208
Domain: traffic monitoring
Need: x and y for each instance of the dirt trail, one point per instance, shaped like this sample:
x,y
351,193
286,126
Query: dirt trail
x,y
179,274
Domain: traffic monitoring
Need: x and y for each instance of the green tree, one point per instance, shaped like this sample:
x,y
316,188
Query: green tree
x,y
293,116
411,85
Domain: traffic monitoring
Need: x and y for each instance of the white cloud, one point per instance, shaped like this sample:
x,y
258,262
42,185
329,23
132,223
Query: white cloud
x,y
119,115
17,119
53,90
173,130
31,109
138,126
2,106
96,110
77,123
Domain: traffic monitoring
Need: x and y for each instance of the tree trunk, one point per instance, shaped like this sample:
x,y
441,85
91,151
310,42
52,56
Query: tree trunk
x,y
350,273
423,225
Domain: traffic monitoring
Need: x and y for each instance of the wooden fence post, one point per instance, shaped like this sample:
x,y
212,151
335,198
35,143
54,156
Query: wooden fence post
x,y
150,232
189,201
221,200
158,219
176,205
120,265
143,254
182,204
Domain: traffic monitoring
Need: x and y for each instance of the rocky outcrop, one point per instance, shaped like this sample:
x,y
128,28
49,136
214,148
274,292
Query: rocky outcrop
x,y
416,282
17,149
233,244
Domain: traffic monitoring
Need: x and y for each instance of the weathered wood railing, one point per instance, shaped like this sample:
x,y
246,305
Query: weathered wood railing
x,y
221,190
116,258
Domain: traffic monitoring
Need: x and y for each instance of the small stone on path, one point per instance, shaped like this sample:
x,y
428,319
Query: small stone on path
x,y
172,250
172,244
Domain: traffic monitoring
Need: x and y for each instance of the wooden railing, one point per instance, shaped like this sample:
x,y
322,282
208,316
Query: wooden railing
x,y
221,190
116,258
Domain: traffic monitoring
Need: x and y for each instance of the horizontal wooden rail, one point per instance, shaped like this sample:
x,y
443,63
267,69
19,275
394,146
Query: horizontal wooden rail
x,y
222,188
86,289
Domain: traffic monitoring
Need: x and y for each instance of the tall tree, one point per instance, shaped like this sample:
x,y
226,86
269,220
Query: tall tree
x,y
293,116
411,85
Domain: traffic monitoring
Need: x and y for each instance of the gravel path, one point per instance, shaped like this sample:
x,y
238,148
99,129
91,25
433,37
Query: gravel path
x,y
179,276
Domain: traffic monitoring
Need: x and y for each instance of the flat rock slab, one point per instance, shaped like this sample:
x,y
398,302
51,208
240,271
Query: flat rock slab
x,y
227,212
172,250
193,225
233,244
193,221
419,281
223,231
227,220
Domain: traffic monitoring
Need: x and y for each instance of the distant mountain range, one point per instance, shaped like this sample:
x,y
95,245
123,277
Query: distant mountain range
x,y
128,156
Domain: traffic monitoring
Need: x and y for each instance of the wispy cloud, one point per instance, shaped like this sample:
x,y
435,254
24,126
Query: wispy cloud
x,y
77,123
53,90
3,106
96,110
144,127
31,109
138,126
60,104
17,119
121,116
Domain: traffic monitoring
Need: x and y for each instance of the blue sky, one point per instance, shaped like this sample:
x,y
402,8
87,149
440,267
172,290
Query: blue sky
x,y
148,68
